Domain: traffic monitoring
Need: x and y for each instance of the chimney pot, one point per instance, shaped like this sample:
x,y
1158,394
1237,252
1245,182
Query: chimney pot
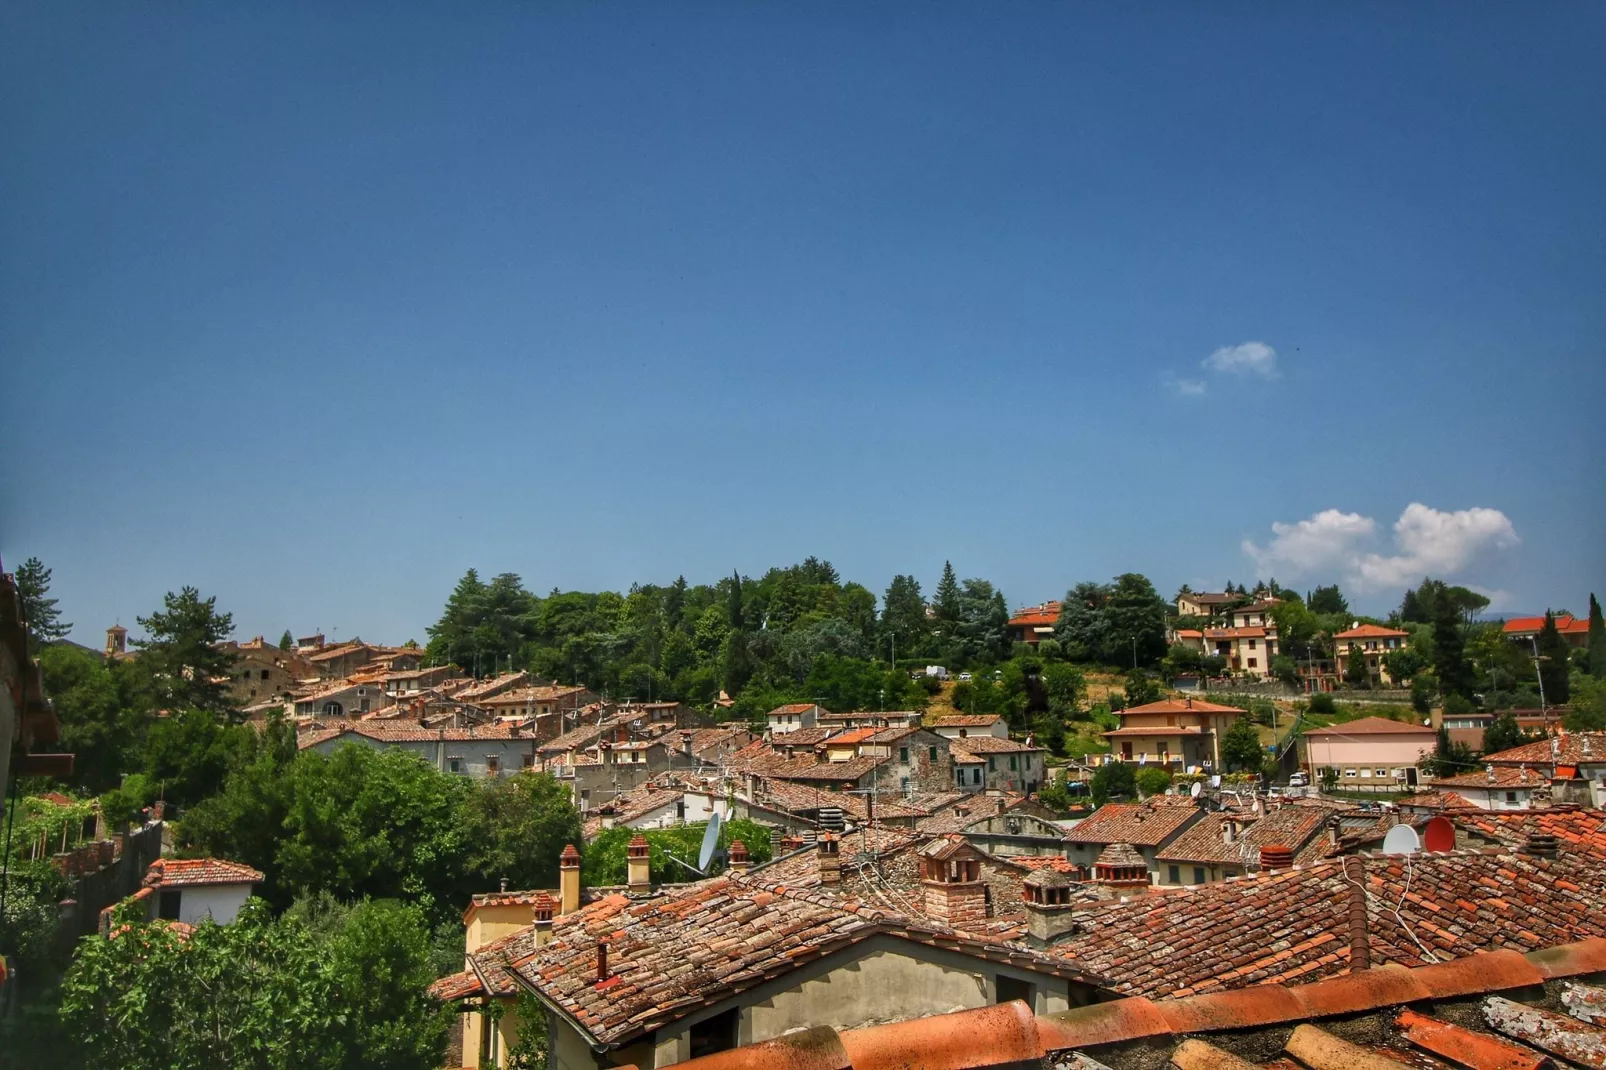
x,y
1276,856
602,961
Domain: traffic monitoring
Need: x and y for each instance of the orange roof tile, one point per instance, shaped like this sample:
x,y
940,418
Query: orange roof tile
x,y
1373,726
1372,631
187,872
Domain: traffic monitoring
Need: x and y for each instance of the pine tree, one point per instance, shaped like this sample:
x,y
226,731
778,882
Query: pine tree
x,y
182,660
452,639
738,654
950,608
286,641
1553,654
44,620
1597,640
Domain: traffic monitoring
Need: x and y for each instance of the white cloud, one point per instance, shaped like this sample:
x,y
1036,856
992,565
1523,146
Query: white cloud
x,y
1427,542
1250,358
1438,544
1187,388
1326,540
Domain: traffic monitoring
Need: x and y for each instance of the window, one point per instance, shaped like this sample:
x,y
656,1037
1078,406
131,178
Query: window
x,y
975,776
1011,763
1380,774
264,674
488,1040
454,765
904,785
1198,875
1229,873
493,764
714,1034
903,755
1251,644
1174,874
1349,772
1511,796
992,763
526,761
1253,662
333,709
959,777
931,753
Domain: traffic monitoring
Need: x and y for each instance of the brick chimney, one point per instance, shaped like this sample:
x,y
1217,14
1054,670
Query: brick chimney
x,y
638,865
950,872
738,858
1275,856
543,910
828,849
569,880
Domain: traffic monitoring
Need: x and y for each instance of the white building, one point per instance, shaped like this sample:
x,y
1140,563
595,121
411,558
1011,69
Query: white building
x,y
193,890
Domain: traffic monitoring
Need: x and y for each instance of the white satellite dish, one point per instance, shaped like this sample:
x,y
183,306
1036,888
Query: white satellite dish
x,y
710,843
1197,789
1401,840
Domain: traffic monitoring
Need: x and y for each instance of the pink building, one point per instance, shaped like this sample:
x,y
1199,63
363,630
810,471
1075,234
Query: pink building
x,y
1372,752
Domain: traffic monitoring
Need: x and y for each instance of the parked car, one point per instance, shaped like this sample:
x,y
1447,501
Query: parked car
x,y
964,677
1298,780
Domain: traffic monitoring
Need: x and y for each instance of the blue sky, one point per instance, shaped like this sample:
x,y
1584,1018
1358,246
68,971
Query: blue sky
x,y
315,306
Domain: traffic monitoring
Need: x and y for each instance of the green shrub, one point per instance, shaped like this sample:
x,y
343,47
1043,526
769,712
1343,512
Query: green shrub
x,y
1322,702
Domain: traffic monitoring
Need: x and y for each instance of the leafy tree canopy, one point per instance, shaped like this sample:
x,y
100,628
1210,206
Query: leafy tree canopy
x,y
180,657
38,608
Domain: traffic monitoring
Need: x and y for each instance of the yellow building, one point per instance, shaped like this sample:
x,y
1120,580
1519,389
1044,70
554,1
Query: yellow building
x,y
1372,642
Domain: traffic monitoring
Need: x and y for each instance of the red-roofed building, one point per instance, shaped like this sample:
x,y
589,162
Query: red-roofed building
x,y
1035,623
1372,752
192,890
1374,643
796,715
1525,629
1176,732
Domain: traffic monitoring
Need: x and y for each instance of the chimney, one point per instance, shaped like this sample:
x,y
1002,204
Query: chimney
x,y
828,849
503,883
1002,805
1274,857
1360,941
1540,845
955,894
1048,906
639,866
1187,703
602,961
776,850
1335,832
738,858
1229,831
569,880
1488,772
543,910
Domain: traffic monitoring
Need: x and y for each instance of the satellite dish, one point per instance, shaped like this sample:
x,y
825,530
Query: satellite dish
x,y
1401,840
1197,789
710,842
1438,836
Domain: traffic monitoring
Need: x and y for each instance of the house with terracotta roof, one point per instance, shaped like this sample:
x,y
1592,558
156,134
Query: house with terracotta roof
x,y
1499,787
1524,630
917,760
656,976
1182,734
790,718
340,660
1226,844
1034,623
1148,827
1372,642
478,750
262,671
988,763
963,725
1204,603
345,698
1574,762
1372,752
193,890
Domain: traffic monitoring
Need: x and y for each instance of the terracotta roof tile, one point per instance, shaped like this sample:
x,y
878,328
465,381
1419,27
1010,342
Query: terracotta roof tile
x,y
1206,840
1570,748
1372,726
1144,824
187,872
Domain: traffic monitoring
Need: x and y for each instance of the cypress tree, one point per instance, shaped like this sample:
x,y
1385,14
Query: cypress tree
x,y
1450,650
286,641
1553,652
1597,640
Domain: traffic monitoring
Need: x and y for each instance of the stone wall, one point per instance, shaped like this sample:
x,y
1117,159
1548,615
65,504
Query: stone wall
x,y
104,872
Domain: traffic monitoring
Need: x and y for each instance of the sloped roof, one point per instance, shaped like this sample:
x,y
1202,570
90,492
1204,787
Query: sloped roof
x,y
1143,824
1036,616
1371,631
991,745
1582,831
1568,748
1291,827
1181,705
1565,622
966,720
672,954
1500,776
1294,925
1120,854
192,872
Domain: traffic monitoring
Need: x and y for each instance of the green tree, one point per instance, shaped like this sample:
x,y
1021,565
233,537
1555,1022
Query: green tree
x,y
1152,780
1322,703
1122,623
1449,758
1113,780
1503,733
1450,664
1064,687
187,755
1597,640
38,608
1356,672
604,860
1403,664
286,641
181,658
1553,662
948,605
1285,669
903,615
95,725
518,827
1588,712
261,993
1240,746
738,658
1328,600
1140,689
